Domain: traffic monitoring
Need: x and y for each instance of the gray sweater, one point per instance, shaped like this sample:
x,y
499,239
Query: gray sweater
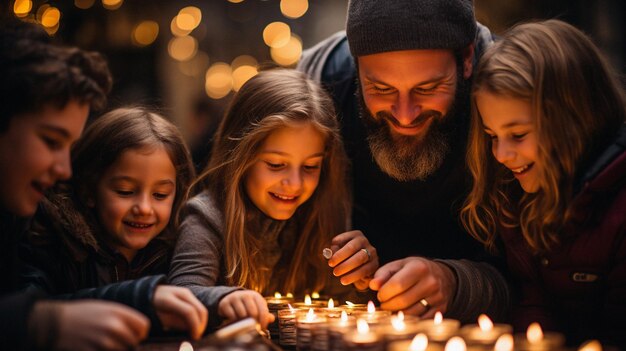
x,y
198,261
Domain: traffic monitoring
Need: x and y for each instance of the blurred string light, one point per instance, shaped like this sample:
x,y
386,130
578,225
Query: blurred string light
x,y
84,4
22,8
276,34
176,30
218,80
112,4
235,1
188,18
244,67
294,8
289,54
49,16
145,33
194,67
182,48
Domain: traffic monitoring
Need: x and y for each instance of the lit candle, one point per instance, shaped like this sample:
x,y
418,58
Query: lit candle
x,y
274,304
309,303
352,308
455,344
400,329
419,343
337,327
305,322
185,346
287,327
591,345
363,339
485,333
504,343
373,316
536,340
439,329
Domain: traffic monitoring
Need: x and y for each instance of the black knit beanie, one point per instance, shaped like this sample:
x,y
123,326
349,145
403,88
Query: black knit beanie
x,y
375,26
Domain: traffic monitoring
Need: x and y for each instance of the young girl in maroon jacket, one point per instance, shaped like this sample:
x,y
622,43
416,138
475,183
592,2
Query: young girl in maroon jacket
x,y
546,152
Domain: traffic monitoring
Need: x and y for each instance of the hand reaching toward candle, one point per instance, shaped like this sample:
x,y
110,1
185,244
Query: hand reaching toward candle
x,y
241,304
177,308
414,285
354,259
92,325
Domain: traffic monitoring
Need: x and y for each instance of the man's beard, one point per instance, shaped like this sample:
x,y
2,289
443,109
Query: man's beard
x,y
413,157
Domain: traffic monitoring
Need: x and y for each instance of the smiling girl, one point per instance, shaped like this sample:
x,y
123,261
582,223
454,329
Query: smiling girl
x,y
113,222
274,196
547,154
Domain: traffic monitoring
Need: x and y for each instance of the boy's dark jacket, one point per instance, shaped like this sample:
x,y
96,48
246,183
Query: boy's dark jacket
x,y
66,258
580,287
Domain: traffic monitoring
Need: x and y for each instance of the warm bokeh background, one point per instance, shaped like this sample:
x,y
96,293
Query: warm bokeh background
x,y
186,57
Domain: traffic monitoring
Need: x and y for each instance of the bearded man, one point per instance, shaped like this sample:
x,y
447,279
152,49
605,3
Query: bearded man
x,y
401,80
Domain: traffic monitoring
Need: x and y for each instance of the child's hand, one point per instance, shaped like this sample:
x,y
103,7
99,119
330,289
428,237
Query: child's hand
x,y
354,259
177,308
245,303
95,325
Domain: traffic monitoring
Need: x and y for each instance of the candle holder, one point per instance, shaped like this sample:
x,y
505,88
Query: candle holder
x,y
352,308
484,334
306,321
363,339
439,330
274,304
287,328
400,328
536,340
337,328
309,303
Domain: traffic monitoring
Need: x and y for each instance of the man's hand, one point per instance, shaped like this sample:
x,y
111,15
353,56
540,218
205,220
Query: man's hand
x,y
177,308
96,325
241,304
354,259
414,285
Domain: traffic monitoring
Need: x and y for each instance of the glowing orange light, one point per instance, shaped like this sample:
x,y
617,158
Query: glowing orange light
x,y
485,323
370,307
438,318
534,333
419,343
504,343
455,344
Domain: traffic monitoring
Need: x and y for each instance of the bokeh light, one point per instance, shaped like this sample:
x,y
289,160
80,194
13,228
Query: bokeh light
x,y
289,54
189,18
22,8
182,48
294,8
219,80
194,67
176,30
145,33
84,4
276,34
50,17
244,67
112,4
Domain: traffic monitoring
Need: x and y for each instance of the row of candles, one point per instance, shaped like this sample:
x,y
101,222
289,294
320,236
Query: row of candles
x,y
314,325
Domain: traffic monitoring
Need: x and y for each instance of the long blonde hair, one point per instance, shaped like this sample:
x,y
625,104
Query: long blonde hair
x,y
577,106
269,101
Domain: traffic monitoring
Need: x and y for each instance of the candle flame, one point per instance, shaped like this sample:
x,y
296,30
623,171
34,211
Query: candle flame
x,y
398,324
290,295
438,318
344,316
331,303
419,343
277,295
291,308
310,316
485,323
315,295
185,346
401,315
455,344
504,343
307,299
362,327
591,345
534,333
350,304
370,307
